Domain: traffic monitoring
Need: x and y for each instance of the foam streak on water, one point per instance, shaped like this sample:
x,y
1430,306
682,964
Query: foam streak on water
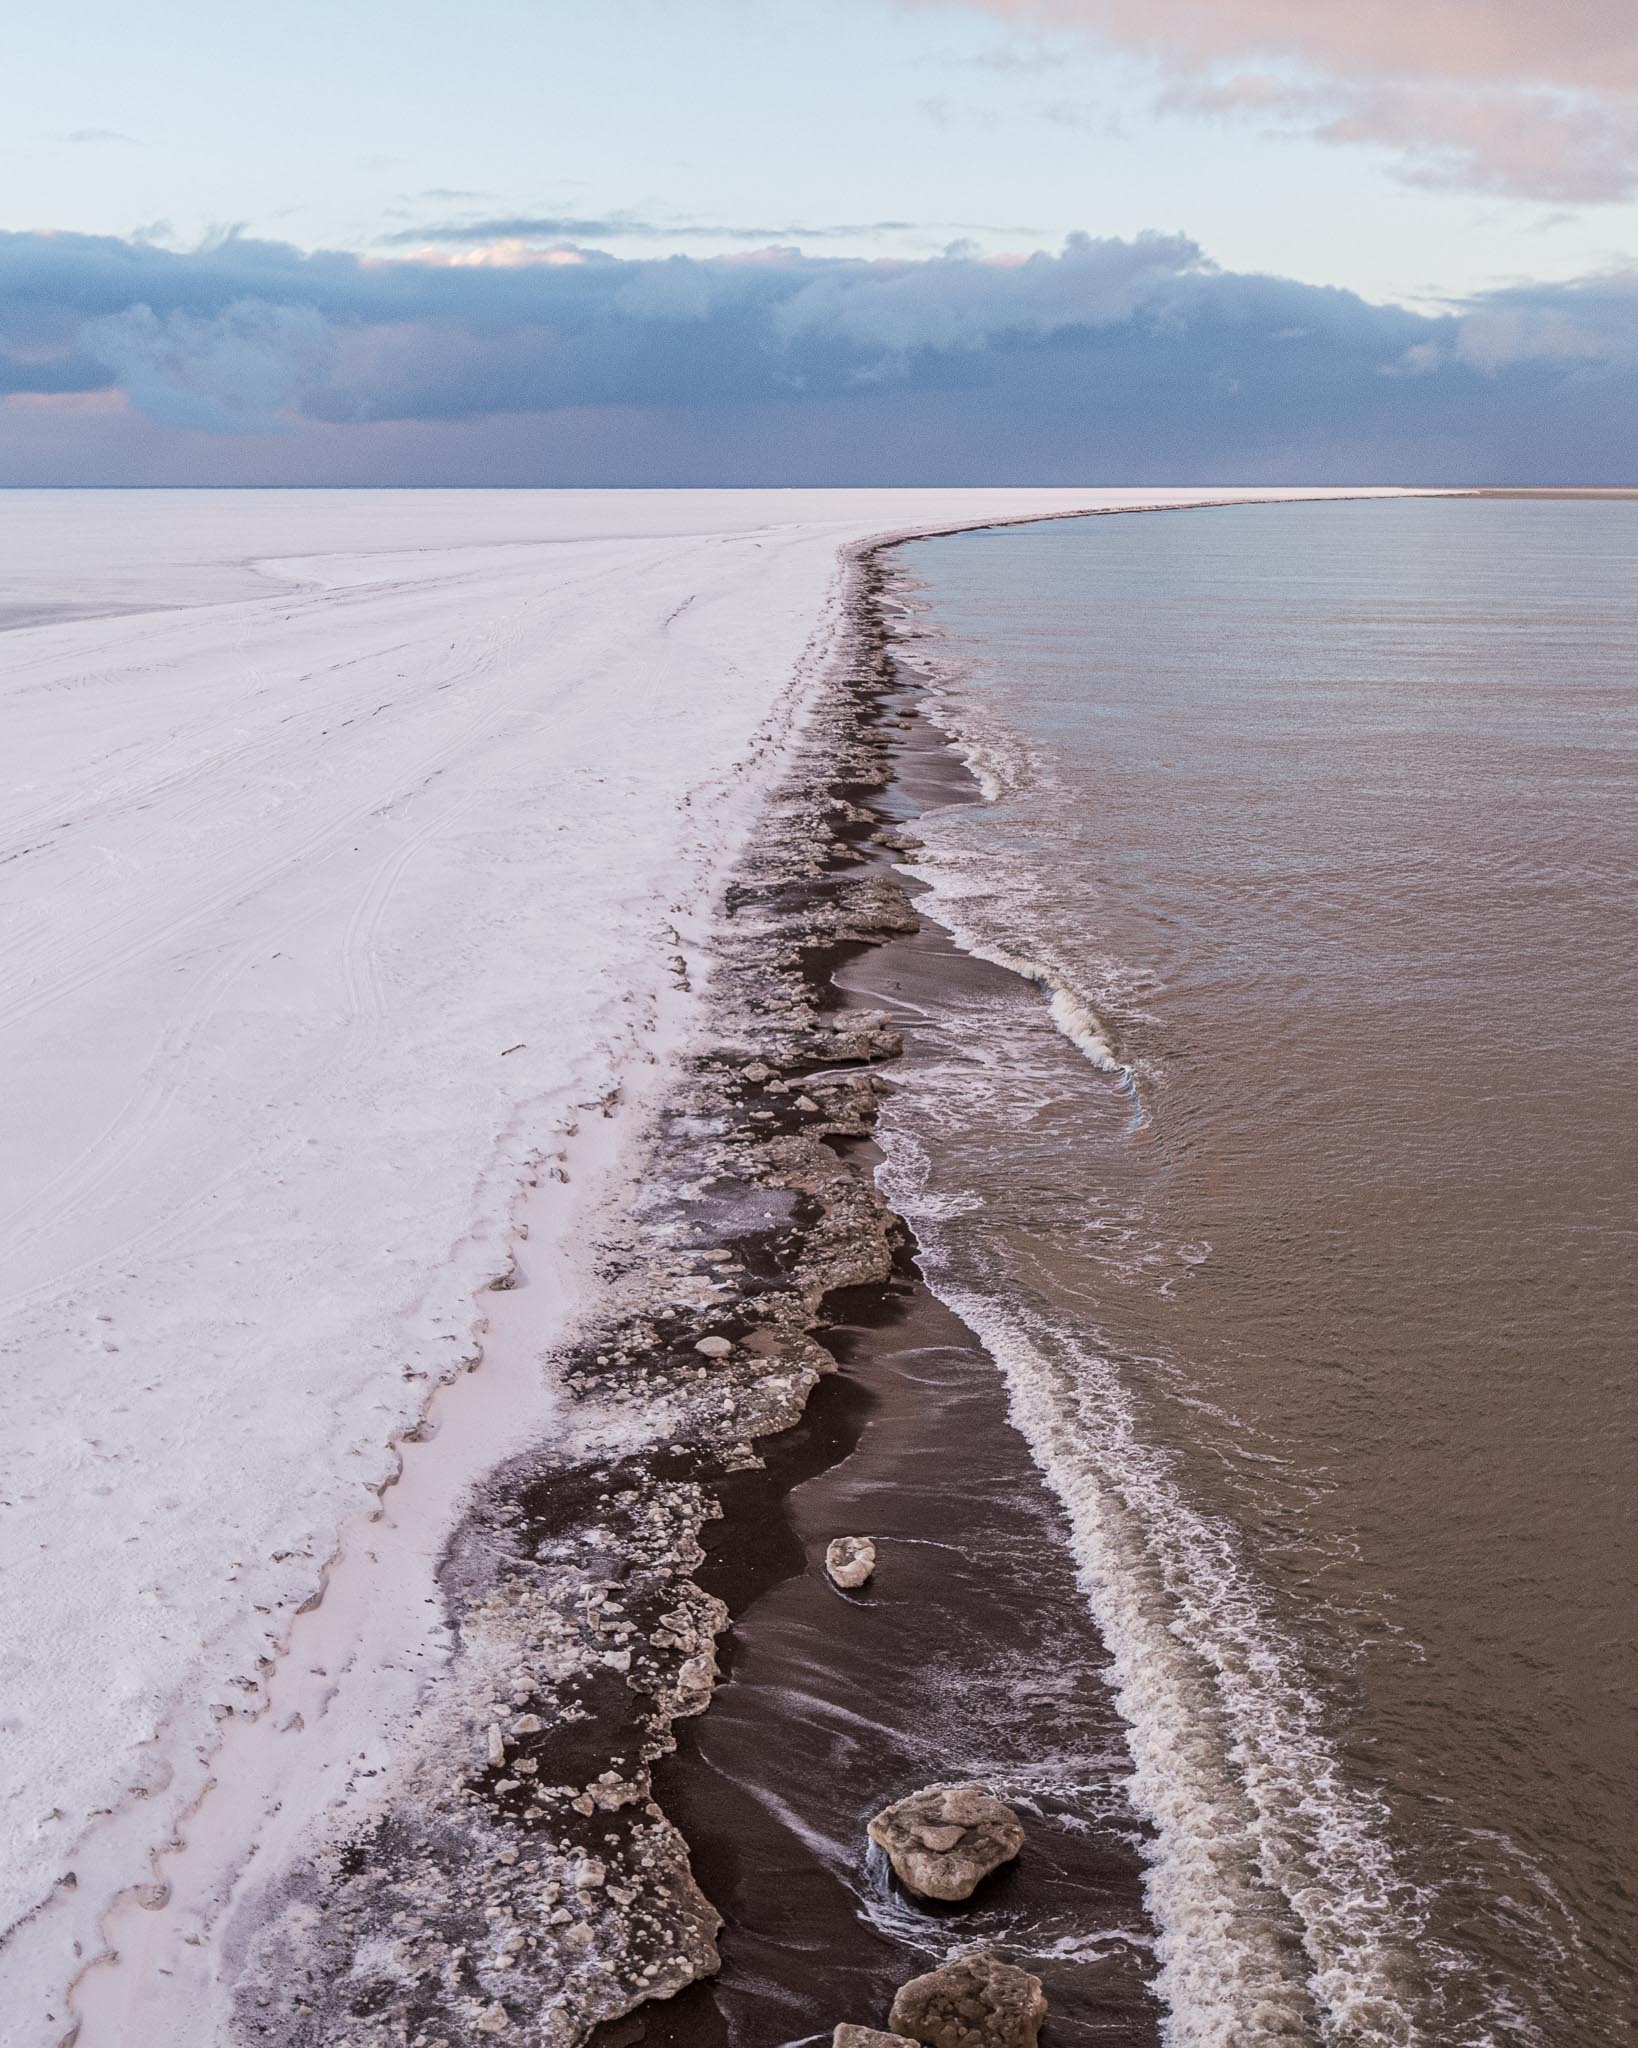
x,y
1279,1911
1258,1835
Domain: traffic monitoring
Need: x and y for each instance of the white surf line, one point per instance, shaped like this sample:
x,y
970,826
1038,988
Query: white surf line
x,y
1233,1768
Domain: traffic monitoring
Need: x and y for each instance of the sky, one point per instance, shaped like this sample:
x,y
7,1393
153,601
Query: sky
x,y
864,241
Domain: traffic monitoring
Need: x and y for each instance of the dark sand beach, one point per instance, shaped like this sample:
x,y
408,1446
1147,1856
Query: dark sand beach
x,y
968,1656
608,1859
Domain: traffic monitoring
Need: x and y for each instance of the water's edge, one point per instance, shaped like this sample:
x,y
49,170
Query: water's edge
x,y
555,1850
529,1867
970,1655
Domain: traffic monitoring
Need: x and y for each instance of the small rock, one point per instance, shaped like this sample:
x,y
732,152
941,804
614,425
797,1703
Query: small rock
x,y
978,2002
850,1560
494,2020
849,2036
714,1347
944,1841
807,1104
757,1072
696,1680
497,1746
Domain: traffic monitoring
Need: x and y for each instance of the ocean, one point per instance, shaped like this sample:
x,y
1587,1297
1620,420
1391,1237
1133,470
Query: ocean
x,y
1287,1170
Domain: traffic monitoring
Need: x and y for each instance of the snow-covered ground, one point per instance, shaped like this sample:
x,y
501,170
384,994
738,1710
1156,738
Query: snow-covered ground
x,y
350,844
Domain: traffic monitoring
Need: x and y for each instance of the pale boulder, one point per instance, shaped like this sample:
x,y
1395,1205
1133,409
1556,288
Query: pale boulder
x,y
945,1841
977,2002
850,1560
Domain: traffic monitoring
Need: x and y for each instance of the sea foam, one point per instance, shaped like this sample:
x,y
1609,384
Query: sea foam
x,y
1278,1908
1270,1882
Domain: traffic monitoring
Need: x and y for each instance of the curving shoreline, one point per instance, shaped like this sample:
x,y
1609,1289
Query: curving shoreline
x,y
970,1652
596,1865
584,1591
598,1663
527,1874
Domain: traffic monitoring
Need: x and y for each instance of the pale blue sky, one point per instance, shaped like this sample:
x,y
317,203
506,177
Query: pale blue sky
x,y
334,125
1091,241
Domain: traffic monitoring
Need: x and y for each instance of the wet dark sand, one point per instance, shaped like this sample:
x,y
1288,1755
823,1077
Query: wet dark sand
x,y
969,1654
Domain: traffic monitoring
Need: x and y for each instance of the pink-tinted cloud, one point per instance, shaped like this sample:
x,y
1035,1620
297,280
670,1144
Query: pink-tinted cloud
x,y
1530,145
1591,43
1526,143
69,404
1533,98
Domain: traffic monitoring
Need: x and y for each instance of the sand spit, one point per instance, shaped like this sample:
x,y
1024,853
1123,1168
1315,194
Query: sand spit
x,y
515,1879
345,871
505,1871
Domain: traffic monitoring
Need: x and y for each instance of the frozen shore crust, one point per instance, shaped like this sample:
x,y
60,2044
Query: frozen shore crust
x,y
343,893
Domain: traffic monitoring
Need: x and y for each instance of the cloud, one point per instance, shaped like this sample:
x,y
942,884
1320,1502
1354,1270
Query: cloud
x,y
1534,99
1589,326
259,327
1591,43
243,368
102,135
897,313
1107,360
525,228
1518,144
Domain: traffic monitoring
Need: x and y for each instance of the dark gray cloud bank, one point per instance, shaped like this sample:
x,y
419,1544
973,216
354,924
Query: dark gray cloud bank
x,y
1108,362
617,227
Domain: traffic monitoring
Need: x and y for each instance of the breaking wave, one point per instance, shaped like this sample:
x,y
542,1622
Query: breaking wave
x,y
1278,1909
1074,1013
1279,1912
997,765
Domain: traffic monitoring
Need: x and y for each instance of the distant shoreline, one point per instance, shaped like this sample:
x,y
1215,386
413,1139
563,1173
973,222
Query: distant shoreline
x,y
1555,491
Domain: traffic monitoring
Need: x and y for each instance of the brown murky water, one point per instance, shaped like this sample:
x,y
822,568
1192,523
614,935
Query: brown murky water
x,y
1295,1194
